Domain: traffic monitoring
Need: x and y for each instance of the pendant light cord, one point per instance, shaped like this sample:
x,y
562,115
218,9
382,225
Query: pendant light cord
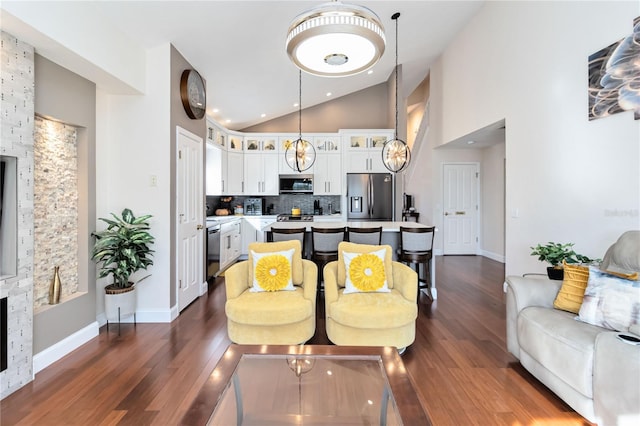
x,y
395,17
300,104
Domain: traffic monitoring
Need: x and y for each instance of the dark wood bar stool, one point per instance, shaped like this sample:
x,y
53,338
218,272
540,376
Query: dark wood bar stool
x,y
372,236
416,248
324,247
286,234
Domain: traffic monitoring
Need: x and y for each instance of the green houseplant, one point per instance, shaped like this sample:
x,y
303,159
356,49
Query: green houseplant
x,y
122,249
555,254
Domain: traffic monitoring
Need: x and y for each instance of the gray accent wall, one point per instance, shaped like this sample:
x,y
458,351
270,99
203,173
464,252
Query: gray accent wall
x,y
365,109
198,127
64,96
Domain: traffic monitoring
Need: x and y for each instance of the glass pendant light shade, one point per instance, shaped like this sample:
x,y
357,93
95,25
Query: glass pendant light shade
x,y
336,40
396,153
300,154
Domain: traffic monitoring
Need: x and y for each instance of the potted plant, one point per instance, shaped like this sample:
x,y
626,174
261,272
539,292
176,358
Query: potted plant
x,y
122,249
555,254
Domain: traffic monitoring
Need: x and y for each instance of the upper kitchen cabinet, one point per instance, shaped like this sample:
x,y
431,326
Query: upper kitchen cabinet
x,y
260,143
327,143
235,172
216,134
327,174
364,150
261,174
235,142
216,169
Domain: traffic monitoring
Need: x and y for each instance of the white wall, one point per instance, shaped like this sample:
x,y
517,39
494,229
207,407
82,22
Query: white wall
x,y
526,62
133,143
492,201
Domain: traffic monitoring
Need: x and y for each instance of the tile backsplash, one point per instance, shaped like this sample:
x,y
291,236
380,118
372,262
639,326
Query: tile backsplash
x,y
282,203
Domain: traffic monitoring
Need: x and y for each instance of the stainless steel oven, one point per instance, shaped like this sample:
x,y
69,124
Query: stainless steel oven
x,y
213,249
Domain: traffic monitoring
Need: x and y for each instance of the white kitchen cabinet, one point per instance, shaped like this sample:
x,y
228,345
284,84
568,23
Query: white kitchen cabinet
x,y
261,143
327,174
230,242
327,144
235,173
364,151
216,170
260,174
235,142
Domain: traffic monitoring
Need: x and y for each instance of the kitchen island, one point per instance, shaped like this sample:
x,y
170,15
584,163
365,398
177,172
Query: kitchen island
x,y
390,235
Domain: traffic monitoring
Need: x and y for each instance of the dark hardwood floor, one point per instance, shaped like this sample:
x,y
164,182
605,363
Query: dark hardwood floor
x,y
150,374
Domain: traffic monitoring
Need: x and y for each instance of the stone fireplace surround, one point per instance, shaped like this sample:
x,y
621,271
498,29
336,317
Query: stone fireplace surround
x,y
17,108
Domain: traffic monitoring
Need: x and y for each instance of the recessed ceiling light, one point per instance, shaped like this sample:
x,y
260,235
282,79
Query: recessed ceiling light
x,y
263,115
470,142
328,93
216,110
370,72
227,121
296,104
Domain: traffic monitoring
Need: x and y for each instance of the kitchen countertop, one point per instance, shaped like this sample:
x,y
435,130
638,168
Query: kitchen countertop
x,y
387,226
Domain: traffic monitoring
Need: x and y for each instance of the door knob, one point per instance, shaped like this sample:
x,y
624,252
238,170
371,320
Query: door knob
x,y
199,227
446,213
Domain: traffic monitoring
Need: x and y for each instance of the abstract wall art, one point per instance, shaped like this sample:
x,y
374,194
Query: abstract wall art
x,y
614,77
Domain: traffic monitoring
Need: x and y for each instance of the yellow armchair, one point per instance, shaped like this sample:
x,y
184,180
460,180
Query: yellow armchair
x,y
273,317
372,319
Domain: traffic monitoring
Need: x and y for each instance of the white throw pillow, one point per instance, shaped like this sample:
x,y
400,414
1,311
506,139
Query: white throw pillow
x,y
272,271
365,272
610,301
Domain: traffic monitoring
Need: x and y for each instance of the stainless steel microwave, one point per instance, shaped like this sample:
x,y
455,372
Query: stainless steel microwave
x,y
296,184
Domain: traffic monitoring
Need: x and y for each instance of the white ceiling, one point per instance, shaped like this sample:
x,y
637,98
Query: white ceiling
x,y
238,47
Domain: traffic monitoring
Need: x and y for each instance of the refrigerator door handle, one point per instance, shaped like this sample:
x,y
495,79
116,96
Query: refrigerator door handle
x,y
370,197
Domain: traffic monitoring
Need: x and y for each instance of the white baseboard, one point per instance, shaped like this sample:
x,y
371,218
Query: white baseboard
x,y
56,351
141,317
493,256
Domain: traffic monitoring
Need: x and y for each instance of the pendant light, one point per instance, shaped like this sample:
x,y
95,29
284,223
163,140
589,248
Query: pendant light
x,y
335,39
300,154
395,153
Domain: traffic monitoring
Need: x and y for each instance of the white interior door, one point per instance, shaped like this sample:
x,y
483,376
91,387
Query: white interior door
x,y
190,247
460,221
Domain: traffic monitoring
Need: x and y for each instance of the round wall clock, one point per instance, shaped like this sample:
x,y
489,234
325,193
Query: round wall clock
x,y
193,95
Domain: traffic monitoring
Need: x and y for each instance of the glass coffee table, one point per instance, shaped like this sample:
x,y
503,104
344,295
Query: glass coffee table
x,y
307,385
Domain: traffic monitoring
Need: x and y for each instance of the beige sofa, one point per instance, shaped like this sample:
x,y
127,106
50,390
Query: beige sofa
x,y
587,366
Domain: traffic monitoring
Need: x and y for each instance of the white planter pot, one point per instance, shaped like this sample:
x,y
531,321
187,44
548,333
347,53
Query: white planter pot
x,y
126,302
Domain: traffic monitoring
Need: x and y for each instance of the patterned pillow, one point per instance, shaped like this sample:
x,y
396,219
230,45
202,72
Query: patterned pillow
x,y
365,272
272,271
610,301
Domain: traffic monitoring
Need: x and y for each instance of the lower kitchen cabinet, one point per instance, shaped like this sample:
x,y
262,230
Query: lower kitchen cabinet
x,y
230,243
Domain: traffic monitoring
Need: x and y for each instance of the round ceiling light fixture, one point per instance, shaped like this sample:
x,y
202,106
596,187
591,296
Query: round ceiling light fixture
x,y
336,40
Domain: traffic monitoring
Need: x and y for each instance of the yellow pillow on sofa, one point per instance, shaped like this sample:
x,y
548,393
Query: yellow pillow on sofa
x,y
365,272
272,271
363,248
571,293
296,261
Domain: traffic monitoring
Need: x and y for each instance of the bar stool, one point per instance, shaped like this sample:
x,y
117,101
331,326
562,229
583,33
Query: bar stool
x,y
324,247
416,248
372,236
286,234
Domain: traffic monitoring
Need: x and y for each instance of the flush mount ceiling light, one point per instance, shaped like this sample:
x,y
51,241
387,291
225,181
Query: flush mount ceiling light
x,y
300,154
395,153
336,39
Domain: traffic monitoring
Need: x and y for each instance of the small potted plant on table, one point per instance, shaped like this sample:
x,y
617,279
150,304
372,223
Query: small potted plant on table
x,y
555,254
122,249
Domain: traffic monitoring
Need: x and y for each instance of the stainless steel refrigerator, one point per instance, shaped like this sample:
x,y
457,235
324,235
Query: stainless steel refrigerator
x,y
369,196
